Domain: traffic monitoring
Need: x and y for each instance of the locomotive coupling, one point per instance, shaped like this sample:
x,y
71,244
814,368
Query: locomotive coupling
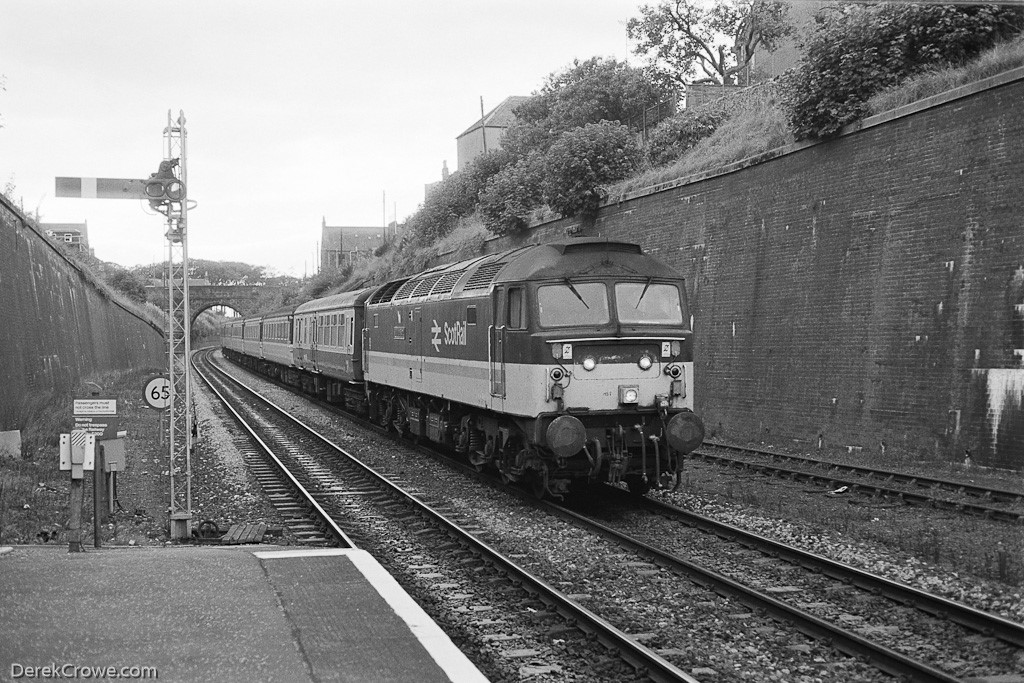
x,y
685,432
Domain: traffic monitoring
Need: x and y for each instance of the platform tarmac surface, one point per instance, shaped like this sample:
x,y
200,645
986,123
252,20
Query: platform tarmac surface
x,y
255,613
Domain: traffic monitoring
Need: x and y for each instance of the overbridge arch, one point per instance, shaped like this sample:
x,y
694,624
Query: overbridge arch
x,y
243,298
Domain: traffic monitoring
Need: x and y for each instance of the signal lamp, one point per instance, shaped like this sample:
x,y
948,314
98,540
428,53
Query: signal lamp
x,y
557,374
645,362
165,189
589,363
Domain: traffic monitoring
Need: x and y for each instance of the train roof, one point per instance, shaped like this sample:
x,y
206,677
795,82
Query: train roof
x,y
579,257
344,299
276,313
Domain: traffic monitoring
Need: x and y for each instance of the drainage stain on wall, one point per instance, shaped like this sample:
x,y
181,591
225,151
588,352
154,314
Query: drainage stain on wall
x,y
1004,414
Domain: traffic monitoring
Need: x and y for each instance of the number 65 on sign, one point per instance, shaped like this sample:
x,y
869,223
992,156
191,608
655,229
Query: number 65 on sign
x,y
158,393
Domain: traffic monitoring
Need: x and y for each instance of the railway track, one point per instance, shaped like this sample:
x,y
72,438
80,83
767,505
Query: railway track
x,y
977,628
972,499
990,633
304,452
303,515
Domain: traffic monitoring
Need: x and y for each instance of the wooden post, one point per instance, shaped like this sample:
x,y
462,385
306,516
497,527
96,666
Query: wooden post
x,y
75,524
97,499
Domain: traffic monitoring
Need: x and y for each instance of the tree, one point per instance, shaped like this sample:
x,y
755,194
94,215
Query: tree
x,y
680,36
582,161
511,194
859,51
587,92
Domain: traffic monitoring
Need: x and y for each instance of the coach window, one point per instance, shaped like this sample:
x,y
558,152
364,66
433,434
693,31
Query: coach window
x,y
515,308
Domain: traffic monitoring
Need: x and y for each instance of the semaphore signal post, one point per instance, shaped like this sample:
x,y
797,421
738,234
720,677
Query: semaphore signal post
x,y
179,341
165,191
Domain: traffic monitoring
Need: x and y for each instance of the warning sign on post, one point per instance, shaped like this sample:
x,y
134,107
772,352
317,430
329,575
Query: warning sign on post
x,y
97,415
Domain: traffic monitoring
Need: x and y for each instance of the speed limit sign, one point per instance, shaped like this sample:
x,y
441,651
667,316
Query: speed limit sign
x,y
158,393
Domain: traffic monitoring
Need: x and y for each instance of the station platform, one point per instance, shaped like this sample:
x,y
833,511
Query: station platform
x,y
236,613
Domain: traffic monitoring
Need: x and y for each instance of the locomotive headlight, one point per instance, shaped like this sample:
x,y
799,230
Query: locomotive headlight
x,y
589,363
645,362
629,395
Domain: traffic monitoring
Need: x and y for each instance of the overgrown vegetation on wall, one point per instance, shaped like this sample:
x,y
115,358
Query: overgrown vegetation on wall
x,y
857,51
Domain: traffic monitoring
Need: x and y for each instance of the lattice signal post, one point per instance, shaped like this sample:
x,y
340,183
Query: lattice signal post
x,y
179,339
165,191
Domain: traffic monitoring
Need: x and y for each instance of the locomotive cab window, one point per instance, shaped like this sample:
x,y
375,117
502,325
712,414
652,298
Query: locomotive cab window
x,y
648,304
572,303
471,315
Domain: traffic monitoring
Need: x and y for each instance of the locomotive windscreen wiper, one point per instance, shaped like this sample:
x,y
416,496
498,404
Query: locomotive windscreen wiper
x,y
646,287
573,290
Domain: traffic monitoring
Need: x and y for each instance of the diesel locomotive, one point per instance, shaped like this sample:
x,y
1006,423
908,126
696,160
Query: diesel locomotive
x,y
563,363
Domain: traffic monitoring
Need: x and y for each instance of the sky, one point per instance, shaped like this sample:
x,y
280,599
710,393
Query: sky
x,y
295,112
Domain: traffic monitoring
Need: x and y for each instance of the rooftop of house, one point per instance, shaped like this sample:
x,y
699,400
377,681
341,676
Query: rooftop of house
x,y
499,117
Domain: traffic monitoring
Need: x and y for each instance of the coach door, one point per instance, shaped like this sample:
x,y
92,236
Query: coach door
x,y
314,347
496,343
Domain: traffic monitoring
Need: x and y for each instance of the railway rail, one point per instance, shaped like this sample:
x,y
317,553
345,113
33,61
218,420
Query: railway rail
x,y
862,480
845,640
306,449
305,517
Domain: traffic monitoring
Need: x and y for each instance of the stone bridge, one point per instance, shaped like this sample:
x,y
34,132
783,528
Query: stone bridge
x,y
243,298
